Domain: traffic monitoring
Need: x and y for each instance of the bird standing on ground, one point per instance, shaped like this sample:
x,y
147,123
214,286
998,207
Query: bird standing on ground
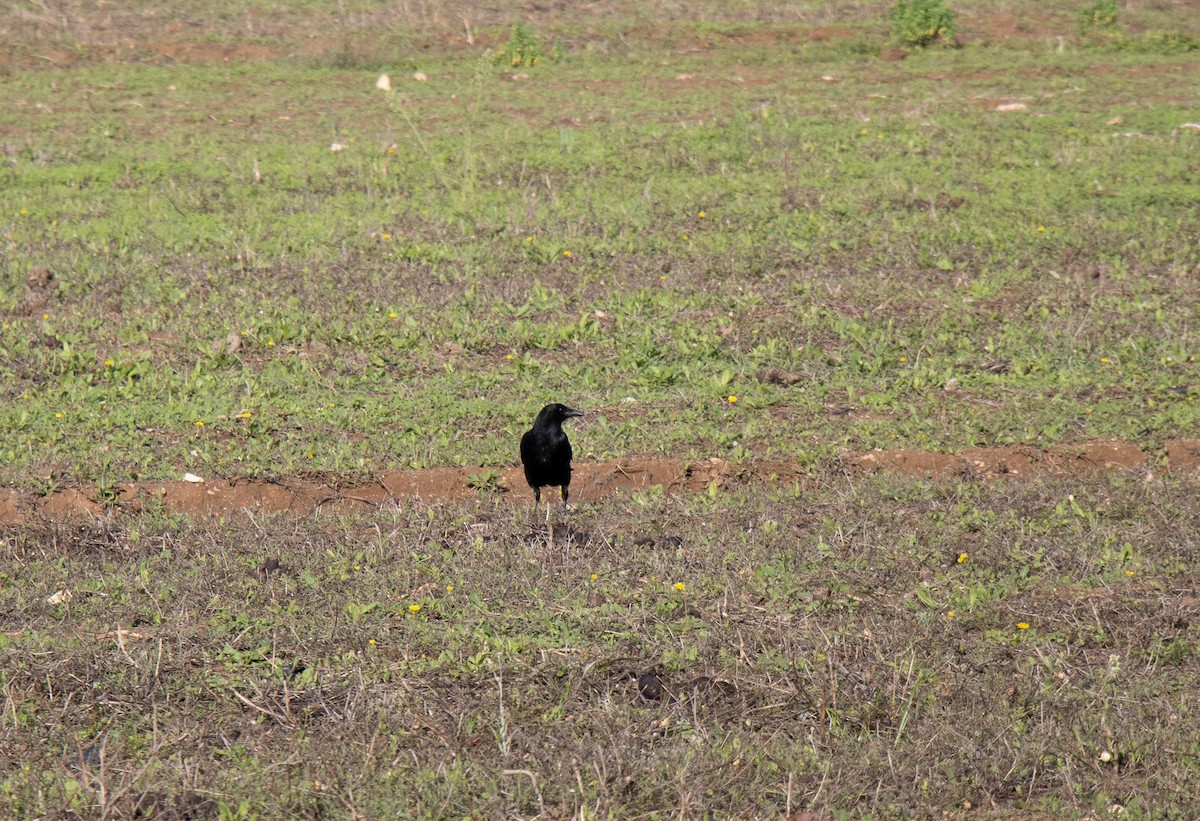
x,y
546,453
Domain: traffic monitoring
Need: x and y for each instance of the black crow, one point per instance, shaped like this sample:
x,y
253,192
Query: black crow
x,y
546,453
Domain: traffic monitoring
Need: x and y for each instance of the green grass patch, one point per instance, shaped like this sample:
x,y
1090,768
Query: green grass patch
x,y
212,288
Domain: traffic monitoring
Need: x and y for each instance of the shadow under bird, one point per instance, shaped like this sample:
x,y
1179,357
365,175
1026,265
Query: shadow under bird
x,y
546,453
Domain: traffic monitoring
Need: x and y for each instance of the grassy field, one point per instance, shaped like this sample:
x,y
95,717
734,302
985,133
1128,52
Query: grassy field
x,y
735,231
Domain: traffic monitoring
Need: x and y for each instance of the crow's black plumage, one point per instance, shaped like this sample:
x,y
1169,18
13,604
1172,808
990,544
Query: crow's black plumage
x,y
546,453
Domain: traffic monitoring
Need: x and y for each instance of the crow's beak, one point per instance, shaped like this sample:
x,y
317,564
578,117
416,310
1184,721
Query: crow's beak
x,y
570,413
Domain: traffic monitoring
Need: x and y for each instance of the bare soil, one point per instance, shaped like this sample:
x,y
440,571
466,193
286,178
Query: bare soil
x,y
594,480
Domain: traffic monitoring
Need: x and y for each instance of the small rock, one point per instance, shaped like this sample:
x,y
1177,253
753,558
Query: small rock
x,y
650,686
191,477
778,376
1012,107
91,756
384,83
420,76
40,278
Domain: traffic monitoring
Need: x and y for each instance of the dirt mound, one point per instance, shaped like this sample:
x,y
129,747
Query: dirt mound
x,y
593,480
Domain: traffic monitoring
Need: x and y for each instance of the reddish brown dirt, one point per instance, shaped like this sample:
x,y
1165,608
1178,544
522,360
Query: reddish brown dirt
x,y
1184,455
1020,462
593,480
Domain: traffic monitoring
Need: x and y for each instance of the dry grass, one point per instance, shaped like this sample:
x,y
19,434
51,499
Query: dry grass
x,y
448,661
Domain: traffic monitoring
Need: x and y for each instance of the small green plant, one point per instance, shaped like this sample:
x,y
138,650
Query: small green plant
x,y
922,22
1100,16
356,611
486,481
523,49
225,812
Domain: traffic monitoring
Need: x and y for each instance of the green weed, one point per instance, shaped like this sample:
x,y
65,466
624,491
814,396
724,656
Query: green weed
x,y
922,22
1100,16
485,481
524,50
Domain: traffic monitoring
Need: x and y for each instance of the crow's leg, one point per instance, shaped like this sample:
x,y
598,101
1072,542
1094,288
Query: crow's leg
x,y
537,500
565,494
